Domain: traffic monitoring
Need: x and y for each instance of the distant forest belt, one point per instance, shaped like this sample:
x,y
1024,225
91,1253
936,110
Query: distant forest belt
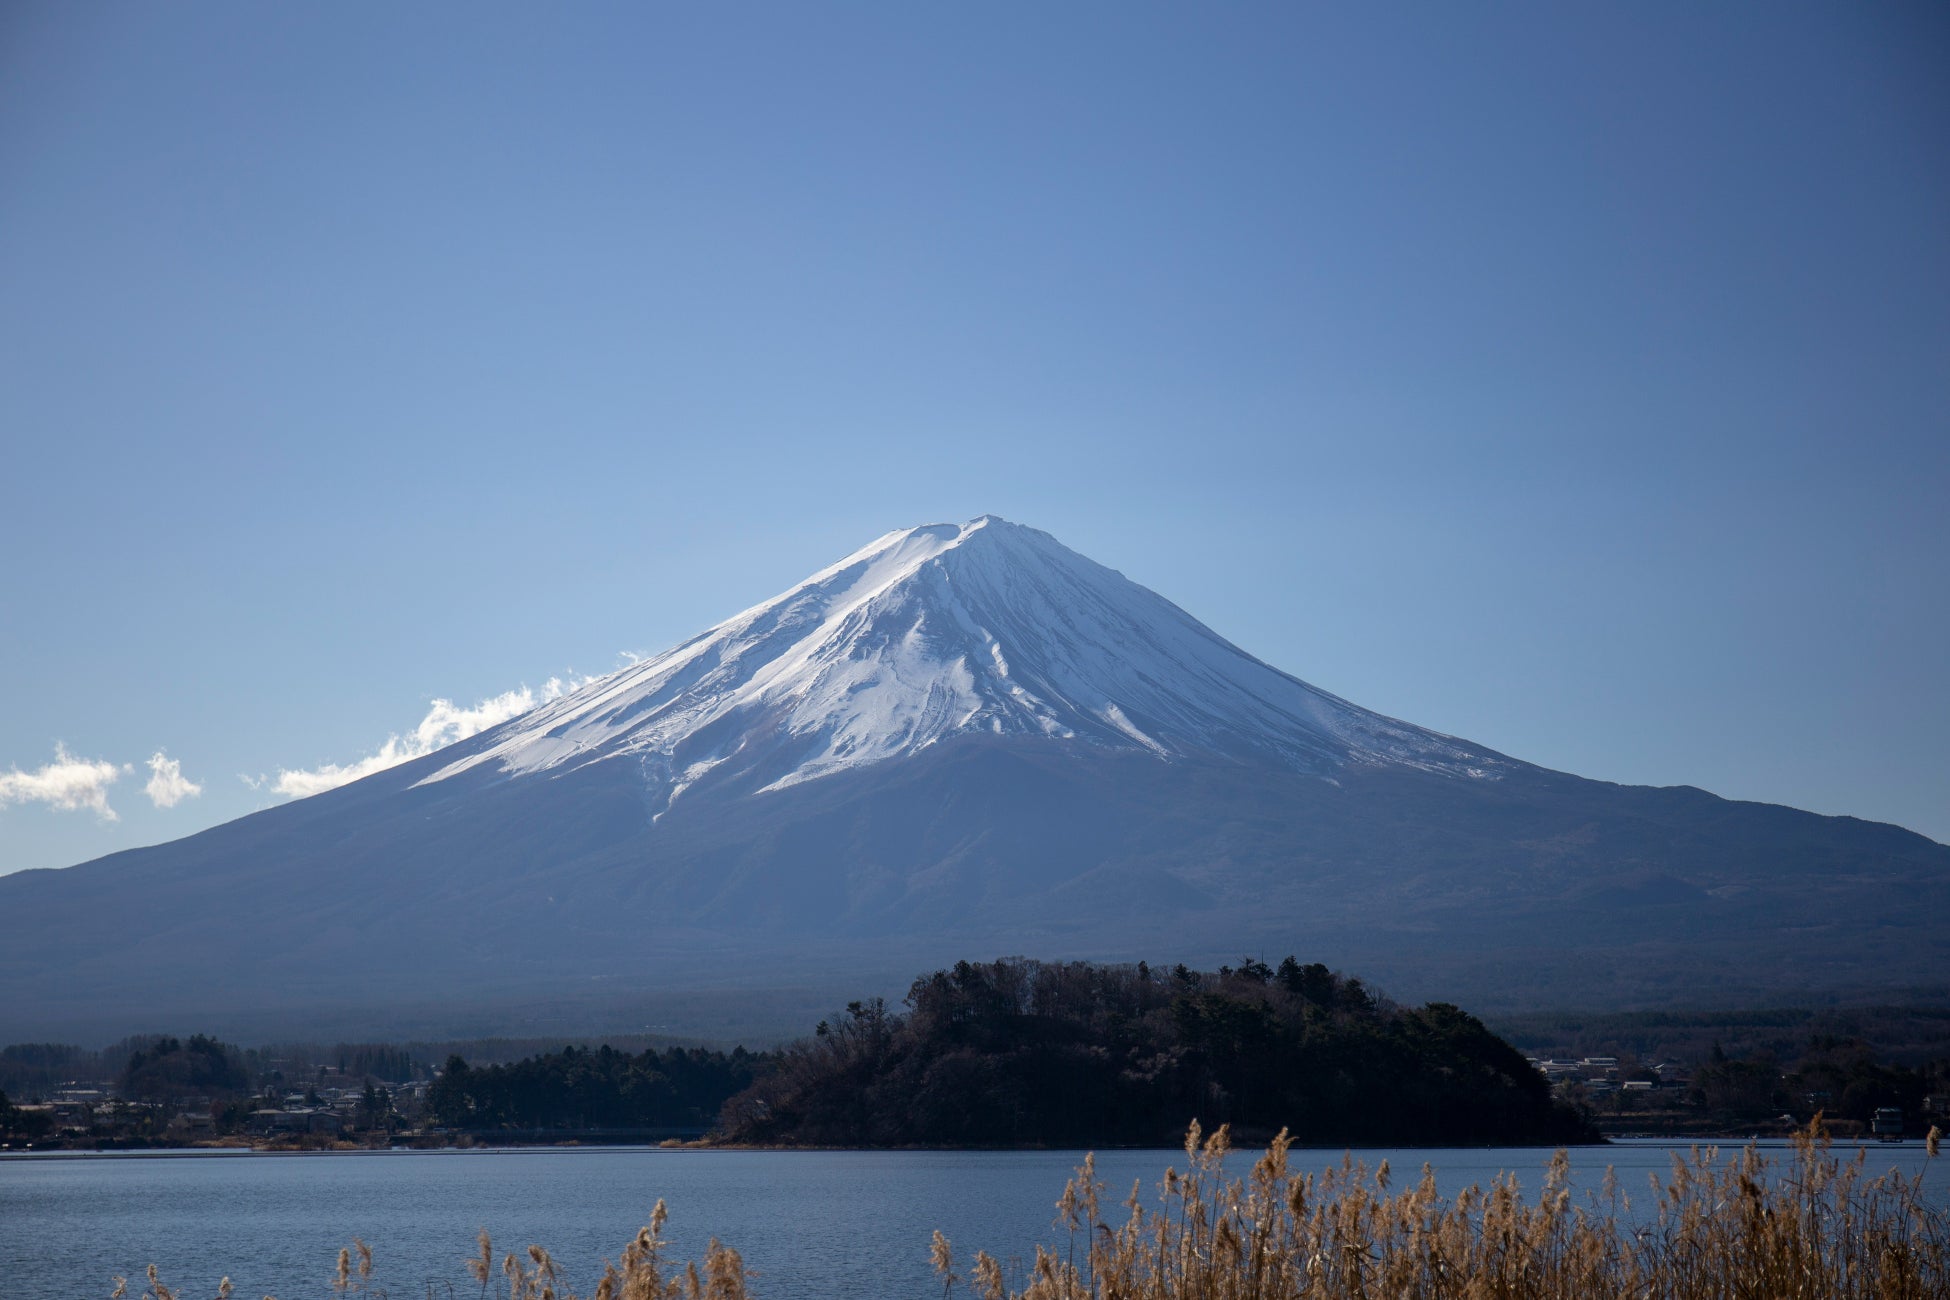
x,y
1909,1035
1028,1053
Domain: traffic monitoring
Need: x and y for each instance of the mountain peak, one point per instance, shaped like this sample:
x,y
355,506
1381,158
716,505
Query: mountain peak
x,y
927,541
937,632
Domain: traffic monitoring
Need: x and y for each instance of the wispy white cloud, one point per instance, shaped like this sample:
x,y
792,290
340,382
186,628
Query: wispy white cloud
x,y
445,724
167,785
68,783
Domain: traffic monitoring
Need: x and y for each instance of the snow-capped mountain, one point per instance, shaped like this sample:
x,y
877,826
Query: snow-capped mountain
x,y
960,741
942,631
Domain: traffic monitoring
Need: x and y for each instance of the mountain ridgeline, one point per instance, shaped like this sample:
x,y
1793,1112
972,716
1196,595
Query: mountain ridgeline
x,y
1018,1052
961,738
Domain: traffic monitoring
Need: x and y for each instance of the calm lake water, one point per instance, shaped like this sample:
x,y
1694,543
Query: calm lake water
x,y
823,1224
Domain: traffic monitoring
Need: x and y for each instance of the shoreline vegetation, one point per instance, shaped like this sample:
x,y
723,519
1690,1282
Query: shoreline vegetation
x,y
1009,1054
1808,1227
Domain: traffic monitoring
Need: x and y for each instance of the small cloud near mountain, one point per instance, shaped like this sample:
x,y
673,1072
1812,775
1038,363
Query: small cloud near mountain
x,y
167,785
68,784
71,784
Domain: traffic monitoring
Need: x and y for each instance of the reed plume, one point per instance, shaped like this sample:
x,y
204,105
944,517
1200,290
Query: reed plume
x,y
1812,1228
481,1267
943,1260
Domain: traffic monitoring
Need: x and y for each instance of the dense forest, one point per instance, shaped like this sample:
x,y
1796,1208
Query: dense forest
x,y
1839,1077
1073,1054
577,1088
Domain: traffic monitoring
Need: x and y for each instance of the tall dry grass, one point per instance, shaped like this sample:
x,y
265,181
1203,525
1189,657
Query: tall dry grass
x,y
1732,1227
1719,1226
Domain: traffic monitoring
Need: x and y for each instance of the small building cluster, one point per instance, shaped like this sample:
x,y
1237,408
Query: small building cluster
x,y
330,1110
91,1111
1599,1076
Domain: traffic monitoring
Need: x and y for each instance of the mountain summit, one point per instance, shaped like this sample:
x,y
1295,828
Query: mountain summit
x,y
927,634
962,740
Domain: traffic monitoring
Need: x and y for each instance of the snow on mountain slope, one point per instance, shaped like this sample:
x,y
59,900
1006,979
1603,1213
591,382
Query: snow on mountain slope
x,y
941,631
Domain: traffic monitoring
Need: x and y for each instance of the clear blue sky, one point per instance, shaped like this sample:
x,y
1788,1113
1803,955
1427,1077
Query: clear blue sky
x,y
1575,379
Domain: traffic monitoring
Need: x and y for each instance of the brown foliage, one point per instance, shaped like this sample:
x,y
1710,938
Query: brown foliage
x,y
1816,1228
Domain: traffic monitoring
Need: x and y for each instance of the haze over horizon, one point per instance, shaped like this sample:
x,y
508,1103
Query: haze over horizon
x,y
1572,383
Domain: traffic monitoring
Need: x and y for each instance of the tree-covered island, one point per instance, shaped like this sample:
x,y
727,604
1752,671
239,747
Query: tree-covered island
x,y
1029,1053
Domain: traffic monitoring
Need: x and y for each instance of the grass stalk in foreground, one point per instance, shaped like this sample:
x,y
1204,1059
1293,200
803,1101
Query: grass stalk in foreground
x,y
1719,1226
1735,1226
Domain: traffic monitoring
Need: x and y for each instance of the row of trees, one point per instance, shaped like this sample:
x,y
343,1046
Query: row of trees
x,y
1075,1054
584,1089
1841,1077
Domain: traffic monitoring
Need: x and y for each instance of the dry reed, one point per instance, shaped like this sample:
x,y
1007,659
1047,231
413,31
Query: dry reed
x,y
1738,1227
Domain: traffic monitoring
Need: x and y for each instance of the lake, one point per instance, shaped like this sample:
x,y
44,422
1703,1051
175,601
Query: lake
x,y
812,1224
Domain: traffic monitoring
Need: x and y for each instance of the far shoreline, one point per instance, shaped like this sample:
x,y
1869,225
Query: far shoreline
x,y
1614,1142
